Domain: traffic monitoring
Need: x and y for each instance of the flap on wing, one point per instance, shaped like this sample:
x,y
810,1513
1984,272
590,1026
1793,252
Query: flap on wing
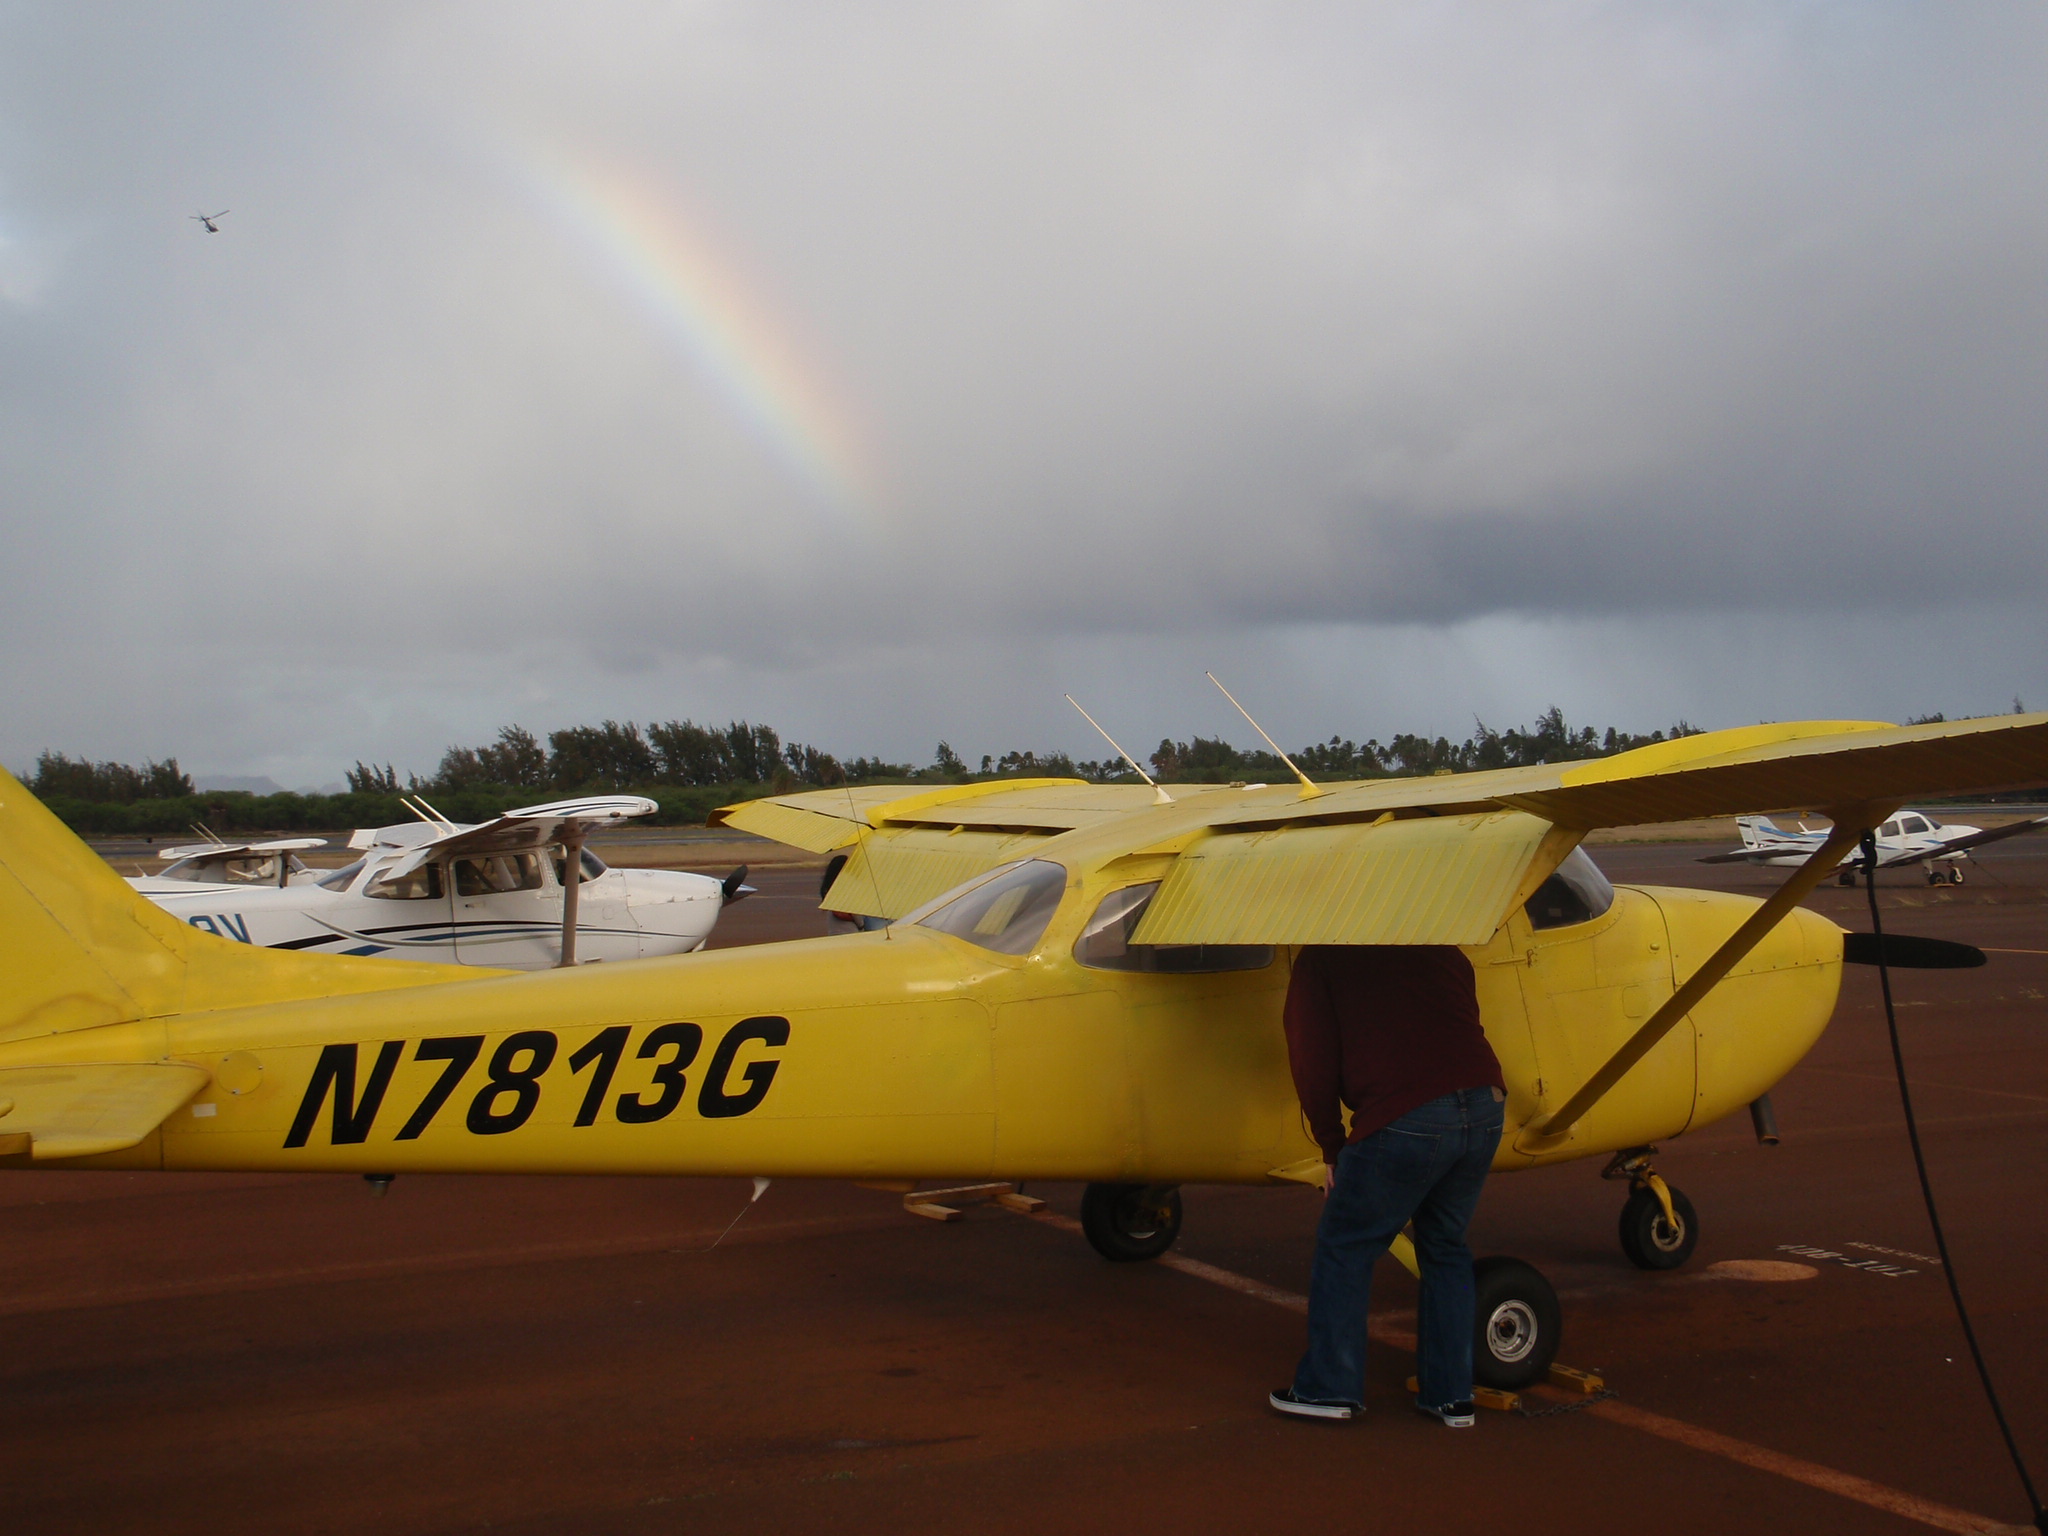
x,y
1424,880
892,873
814,831
76,1111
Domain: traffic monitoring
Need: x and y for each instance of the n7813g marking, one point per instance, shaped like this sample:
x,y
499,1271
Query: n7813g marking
x,y
511,1088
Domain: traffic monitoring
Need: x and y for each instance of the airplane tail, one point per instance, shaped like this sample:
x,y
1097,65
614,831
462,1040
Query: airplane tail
x,y
1758,831
80,948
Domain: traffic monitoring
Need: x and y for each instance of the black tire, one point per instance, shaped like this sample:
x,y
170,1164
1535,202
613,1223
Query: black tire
x,y
1127,1222
1515,1325
1647,1238
1955,874
1846,877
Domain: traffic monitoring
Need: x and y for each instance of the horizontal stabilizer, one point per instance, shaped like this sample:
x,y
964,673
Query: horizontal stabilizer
x,y
1903,952
76,1111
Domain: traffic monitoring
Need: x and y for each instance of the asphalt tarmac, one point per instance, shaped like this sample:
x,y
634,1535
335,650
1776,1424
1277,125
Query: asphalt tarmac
x,y
226,1354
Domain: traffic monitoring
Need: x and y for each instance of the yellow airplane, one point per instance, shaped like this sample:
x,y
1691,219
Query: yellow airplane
x,y
1080,982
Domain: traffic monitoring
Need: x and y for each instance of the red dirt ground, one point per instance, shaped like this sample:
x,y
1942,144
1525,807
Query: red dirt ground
x,y
261,1354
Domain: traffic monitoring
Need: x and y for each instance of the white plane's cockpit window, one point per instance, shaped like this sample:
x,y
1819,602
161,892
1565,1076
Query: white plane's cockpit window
x,y
1889,829
590,863
1006,913
422,884
342,878
496,873
1912,824
245,869
1575,893
1105,942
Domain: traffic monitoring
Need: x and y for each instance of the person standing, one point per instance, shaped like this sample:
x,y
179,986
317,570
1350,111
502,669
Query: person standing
x,y
1391,1032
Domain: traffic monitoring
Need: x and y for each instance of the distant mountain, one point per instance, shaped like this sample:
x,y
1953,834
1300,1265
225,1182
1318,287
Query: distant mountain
x,y
255,784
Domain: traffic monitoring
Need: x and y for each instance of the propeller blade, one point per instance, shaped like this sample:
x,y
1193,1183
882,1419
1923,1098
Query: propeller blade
x,y
732,887
1903,952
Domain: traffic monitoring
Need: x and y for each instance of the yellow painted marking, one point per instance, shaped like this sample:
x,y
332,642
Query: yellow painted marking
x,y
1847,1485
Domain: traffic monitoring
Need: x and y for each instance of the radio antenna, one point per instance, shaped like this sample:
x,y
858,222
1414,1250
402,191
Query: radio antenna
x,y
1159,796
1309,790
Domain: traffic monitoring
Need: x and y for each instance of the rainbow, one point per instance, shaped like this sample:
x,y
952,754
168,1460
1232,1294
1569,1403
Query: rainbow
x,y
638,233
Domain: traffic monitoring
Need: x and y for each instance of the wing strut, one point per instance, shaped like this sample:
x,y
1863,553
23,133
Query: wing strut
x,y
1849,827
572,886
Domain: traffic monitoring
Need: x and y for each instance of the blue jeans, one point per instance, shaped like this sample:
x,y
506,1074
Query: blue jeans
x,y
1428,1167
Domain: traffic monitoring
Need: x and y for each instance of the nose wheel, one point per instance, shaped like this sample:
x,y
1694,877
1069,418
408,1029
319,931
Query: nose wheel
x,y
1127,1222
1658,1226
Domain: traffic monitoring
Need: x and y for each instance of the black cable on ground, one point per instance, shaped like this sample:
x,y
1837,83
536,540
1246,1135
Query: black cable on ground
x,y
1948,1269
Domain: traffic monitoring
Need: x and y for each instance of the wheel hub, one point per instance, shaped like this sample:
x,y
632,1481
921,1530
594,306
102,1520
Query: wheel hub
x,y
1511,1332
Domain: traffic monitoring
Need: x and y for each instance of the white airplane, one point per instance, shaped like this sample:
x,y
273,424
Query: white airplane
x,y
1910,837
433,889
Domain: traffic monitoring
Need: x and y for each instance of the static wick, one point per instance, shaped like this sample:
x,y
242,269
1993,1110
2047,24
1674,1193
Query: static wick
x,y
1159,796
760,1189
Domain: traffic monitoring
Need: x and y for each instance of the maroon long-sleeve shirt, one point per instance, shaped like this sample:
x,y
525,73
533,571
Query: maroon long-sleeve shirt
x,y
1381,1029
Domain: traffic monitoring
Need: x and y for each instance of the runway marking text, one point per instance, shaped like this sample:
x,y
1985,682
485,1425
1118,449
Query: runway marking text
x,y
1869,1266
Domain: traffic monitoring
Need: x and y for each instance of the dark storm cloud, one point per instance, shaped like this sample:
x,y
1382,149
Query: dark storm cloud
x,y
1560,351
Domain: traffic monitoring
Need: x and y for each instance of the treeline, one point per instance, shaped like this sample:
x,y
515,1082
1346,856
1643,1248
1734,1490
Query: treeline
x,y
690,769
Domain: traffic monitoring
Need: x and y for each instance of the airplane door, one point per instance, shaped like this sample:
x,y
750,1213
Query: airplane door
x,y
507,911
1588,986
407,915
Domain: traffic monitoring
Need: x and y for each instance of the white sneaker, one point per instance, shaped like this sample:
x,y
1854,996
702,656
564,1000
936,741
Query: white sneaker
x,y
1313,1407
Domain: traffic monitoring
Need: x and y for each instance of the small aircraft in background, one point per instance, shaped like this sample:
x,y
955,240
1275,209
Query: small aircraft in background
x,y
434,889
208,218
1910,837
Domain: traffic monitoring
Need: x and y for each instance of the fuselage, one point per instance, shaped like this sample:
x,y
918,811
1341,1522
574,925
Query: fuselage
x,y
918,1053
502,911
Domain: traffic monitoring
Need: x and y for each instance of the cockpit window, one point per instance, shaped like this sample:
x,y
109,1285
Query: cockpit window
x,y
1912,824
243,869
1007,913
591,865
495,874
1575,893
1105,942
421,884
342,878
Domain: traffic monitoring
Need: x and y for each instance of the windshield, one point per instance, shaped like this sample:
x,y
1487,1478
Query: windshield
x,y
1007,913
1576,893
1105,942
591,865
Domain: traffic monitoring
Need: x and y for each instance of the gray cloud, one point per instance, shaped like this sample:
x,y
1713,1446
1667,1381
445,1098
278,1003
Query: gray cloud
x,y
1568,354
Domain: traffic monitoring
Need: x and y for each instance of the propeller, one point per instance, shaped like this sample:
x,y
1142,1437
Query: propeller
x,y
1902,952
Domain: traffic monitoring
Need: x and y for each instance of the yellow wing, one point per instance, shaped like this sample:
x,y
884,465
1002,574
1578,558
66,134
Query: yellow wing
x,y
1437,860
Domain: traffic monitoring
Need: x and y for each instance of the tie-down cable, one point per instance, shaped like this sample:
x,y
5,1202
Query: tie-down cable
x,y
1948,1269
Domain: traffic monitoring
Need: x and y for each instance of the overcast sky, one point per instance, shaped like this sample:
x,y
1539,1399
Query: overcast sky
x,y
885,371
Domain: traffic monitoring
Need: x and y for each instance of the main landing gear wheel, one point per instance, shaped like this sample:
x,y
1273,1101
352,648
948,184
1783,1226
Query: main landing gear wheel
x,y
1125,1222
1652,1241
1953,875
1516,1324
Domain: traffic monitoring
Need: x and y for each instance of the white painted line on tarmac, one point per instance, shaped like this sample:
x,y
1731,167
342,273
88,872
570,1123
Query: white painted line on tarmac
x,y
1847,1485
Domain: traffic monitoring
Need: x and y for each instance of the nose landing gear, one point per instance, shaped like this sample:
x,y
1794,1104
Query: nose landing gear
x,y
1658,1227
